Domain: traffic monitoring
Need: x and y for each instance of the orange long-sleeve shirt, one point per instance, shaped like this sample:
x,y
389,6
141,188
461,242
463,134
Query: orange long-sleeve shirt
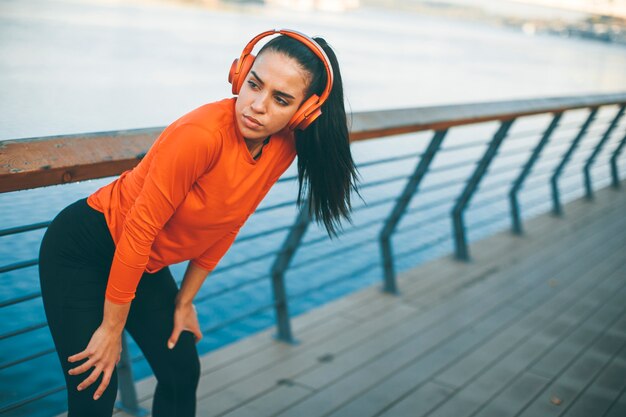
x,y
188,197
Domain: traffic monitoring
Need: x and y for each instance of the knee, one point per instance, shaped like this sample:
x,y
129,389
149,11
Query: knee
x,y
184,365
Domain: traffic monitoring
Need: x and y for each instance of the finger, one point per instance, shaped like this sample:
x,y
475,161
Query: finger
x,y
103,385
82,367
173,338
197,333
82,355
90,379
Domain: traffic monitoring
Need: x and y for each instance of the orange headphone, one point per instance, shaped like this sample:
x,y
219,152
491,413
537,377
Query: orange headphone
x,y
311,108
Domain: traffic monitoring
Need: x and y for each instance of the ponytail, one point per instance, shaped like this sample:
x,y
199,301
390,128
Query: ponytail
x,y
326,172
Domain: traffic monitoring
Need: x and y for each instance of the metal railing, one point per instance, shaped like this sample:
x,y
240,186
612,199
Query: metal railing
x,y
38,162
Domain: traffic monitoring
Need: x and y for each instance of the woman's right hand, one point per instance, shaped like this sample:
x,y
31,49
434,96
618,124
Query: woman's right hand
x,y
103,352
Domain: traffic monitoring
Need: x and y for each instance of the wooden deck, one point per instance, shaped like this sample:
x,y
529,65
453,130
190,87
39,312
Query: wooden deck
x,y
532,326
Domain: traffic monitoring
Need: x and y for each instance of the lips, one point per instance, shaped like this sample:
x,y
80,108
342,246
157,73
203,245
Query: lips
x,y
252,120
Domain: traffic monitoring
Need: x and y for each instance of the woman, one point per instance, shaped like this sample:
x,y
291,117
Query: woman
x,y
104,260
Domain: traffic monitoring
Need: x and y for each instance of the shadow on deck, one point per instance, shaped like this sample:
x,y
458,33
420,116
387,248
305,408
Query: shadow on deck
x,y
532,326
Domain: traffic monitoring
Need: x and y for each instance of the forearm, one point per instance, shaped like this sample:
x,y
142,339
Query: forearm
x,y
115,315
192,281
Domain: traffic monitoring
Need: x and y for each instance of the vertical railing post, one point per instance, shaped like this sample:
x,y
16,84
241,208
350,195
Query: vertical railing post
x,y
614,173
460,240
400,208
285,255
128,394
596,151
517,184
556,202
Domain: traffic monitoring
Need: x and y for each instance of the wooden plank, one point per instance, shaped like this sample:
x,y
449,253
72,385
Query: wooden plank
x,y
560,309
516,396
506,370
357,378
218,398
272,403
419,402
381,393
385,392
574,379
601,393
618,408
567,350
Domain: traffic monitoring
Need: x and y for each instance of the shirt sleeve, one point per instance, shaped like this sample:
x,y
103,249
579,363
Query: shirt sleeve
x,y
211,257
180,157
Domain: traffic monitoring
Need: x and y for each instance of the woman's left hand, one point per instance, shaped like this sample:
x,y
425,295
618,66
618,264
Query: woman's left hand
x,y
185,318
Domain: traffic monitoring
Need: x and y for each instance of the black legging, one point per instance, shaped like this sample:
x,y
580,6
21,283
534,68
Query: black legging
x,y
74,262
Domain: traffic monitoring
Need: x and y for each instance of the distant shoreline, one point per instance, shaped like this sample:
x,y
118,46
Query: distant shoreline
x,y
536,19
578,24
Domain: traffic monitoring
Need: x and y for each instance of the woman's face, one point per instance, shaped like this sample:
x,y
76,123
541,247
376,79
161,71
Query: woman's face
x,y
270,95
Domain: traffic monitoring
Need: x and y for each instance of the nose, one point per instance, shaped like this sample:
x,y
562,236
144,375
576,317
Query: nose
x,y
258,104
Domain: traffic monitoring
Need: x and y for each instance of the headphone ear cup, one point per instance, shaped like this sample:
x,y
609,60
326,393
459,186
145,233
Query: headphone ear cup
x,y
307,122
231,73
237,79
299,119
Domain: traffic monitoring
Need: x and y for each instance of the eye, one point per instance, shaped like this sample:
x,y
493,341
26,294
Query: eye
x,y
252,84
281,101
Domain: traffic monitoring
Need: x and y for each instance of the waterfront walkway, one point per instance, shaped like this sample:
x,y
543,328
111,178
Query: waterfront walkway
x,y
532,326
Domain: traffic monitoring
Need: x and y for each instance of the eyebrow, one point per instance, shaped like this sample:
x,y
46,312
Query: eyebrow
x,y
276,91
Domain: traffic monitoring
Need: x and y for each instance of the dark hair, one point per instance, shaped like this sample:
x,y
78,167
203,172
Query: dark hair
x,y
326,171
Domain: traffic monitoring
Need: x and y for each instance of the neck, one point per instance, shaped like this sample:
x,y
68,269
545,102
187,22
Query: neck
x,y
251,144
255,146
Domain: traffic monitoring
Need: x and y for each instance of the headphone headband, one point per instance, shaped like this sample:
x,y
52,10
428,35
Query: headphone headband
x,y
310,109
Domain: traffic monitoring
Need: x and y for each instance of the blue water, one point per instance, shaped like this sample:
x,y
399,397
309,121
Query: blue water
x,y
97,66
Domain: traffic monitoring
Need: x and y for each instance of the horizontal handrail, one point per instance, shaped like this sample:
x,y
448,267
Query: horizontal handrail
x,y
22,229
18,265
340,278
426,245
383,181
430,205
423,222
466,145
388,160
376,124
41,161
